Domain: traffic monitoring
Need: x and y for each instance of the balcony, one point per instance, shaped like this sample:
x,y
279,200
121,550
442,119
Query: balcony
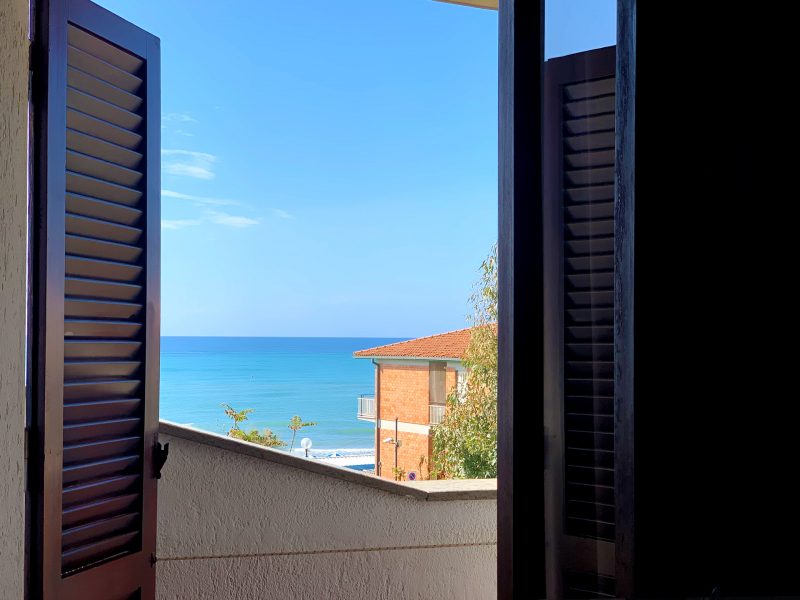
x,y
232,515
435,413
366,407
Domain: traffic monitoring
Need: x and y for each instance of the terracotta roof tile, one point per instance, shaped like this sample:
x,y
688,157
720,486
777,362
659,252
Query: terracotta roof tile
x,y
452,344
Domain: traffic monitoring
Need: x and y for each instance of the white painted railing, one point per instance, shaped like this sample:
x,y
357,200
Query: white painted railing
x,y
436,413
366,406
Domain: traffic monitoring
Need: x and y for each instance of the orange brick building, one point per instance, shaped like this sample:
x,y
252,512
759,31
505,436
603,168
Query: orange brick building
x,y
412,382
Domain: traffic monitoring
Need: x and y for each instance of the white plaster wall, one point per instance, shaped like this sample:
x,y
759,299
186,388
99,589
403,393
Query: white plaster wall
x,y
235,526
13,218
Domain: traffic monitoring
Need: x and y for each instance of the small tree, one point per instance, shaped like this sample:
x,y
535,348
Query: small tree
x,y
465,442
296,424
265,438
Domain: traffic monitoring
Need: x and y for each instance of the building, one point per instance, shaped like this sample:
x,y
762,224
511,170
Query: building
x,y
412,382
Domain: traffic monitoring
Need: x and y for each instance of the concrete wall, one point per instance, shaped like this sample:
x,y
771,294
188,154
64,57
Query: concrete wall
x,y
239,526
13,219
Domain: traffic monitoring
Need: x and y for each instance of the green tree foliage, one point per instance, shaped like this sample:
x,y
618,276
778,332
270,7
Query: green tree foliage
x,y
265,438
465,443
296,424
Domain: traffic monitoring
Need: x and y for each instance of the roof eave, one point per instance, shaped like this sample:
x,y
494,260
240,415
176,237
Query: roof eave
x,y
440,358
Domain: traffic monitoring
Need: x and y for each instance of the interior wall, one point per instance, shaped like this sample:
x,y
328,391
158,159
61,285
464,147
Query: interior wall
x,y
13,219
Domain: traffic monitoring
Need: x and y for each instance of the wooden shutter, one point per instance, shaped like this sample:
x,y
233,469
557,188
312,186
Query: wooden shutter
x,y
96,334
579,134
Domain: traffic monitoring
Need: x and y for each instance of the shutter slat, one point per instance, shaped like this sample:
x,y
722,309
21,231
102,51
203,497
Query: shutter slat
x,y
91,125
581,160
593,176
98,410
592,369
591,299
593,314
93,451
102,209
590,89
100,328
590,142
97,551
101,229
101,348
590,263
84,369
95,530
101,169
100,309
104,190
97,509
96,389
83,40
101,468
99,108
599,193
94,490
590,246
95,146
587,333
102,69
581,212
86,246
593,280
92,85
103,269
590,107
603,122
97,430
598,352
101,288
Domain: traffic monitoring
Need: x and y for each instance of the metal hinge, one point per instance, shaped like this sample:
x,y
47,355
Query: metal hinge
x,y
160,454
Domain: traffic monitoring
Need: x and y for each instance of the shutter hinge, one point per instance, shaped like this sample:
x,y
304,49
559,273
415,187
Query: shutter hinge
x,y
160,454
153,559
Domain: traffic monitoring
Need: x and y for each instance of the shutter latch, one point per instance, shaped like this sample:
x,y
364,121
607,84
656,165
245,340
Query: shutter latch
x,y
160,454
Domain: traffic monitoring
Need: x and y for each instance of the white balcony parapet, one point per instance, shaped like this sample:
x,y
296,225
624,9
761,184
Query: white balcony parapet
x,y
366,407
232,514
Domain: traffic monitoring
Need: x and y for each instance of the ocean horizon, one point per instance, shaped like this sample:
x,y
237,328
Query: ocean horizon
x,y
316,378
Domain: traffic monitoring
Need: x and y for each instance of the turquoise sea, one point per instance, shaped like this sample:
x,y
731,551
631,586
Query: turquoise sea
x,y
316,378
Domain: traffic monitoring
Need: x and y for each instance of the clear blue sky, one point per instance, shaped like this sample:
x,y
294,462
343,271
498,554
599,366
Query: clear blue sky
x,y
329,168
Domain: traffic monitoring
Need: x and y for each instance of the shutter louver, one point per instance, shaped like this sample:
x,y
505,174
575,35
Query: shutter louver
x,y
581,584
579,232
101,218
588,204
103,435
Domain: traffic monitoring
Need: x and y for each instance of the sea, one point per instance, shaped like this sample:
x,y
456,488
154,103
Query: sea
x,y
277,377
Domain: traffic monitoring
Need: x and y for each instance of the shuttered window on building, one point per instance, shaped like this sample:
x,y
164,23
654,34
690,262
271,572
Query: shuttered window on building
x,y
97,115
579,198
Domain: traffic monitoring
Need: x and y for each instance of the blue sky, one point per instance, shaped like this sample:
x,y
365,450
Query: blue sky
x,y
328,168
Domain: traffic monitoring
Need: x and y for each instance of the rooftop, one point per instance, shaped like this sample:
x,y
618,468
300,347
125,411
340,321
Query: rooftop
x,y
451,345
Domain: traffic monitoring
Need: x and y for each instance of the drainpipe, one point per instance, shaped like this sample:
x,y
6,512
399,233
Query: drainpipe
x,y
377,417
396,444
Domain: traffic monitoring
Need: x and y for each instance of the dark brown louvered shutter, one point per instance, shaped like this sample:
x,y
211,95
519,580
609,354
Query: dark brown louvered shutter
x,y
96,333
579,133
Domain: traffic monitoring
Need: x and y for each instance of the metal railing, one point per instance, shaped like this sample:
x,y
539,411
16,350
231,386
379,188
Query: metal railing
x,y
366,406
435,413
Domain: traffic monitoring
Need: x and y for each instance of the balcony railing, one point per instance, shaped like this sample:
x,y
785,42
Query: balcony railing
x,y
366,406
435,413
